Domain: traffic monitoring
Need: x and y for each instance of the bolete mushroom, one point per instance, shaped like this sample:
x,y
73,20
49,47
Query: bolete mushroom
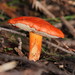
x,y
37,28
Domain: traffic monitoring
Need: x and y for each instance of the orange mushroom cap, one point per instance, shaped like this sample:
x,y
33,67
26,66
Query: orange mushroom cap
x,y
36,25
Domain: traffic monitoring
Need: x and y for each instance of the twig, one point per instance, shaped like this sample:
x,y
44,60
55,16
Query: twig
x,y
19,49
3,42
39,6
70,52
20,43
20,53
68,25
68,42
59,25
35,66
12,31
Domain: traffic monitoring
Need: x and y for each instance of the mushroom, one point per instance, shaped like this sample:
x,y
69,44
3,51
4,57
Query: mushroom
x,y
37,28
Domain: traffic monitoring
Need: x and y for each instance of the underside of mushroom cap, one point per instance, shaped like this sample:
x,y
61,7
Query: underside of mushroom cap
x,y
37,25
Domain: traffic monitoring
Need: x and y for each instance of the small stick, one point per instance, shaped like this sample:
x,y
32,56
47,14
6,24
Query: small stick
x,y
12,31
70,52
19,52
3,42
19,49
20,44
59,25
42,8
68,25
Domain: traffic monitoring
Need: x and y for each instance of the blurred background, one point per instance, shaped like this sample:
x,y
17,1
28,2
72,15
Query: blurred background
x,y
60,13
50,10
